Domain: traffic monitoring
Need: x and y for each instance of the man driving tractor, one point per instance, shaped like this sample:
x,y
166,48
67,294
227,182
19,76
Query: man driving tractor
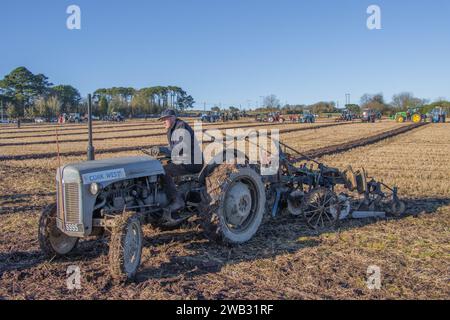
x,y
178,135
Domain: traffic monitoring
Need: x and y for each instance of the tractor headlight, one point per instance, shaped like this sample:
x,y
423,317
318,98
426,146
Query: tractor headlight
x,y
94,188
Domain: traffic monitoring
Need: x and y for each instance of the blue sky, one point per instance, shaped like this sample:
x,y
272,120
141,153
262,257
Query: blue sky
x,y
235,51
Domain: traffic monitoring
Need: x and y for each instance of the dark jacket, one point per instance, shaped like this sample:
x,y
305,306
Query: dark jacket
x,y
174,141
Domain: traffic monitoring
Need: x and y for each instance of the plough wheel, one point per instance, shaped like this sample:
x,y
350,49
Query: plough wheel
x,y
321,209
398,208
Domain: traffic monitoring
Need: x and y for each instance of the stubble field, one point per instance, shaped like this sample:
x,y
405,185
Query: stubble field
x,y
285,260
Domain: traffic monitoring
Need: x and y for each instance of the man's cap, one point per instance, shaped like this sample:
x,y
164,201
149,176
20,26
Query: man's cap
x,y
167,113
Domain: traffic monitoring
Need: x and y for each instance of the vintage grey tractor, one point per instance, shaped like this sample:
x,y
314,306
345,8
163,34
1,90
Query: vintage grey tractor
x,y
119,195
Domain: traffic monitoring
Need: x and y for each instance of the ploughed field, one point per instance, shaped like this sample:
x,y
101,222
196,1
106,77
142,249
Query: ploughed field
x,y
285,260
147,134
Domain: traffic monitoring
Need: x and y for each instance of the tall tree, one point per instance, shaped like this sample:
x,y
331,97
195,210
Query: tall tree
x,y
140,104
375,102
353,108
103,106
323,107
405,100
22,87
185,102
271,102
68,96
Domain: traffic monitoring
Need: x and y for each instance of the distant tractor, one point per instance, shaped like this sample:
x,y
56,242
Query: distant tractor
x,y
74,118
210,117
270,118
275,117
114,117
438,115
307,117
347,115
412,114
370,116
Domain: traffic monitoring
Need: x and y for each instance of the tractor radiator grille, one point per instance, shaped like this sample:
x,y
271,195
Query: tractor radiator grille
x,y
72,202
70,197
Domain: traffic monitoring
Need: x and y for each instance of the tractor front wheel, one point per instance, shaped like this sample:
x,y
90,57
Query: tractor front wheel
x,y
400,119
125,248
53,242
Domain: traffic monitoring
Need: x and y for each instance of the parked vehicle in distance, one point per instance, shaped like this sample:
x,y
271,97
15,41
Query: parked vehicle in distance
x,y
370,115
114,117
210,117
94,118
39,120
74,118
307,117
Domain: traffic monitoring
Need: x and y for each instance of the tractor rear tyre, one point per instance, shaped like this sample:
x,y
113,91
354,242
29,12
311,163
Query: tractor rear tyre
x,y
416,118
53,242
125,248
236,204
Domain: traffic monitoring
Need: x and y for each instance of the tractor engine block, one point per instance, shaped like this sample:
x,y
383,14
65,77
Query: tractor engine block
x,y
133,194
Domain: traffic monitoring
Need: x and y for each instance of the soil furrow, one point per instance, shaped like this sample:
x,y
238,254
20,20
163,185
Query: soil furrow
x,y
132,148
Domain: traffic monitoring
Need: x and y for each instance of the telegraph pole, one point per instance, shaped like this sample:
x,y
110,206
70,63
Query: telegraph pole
x,y
2,110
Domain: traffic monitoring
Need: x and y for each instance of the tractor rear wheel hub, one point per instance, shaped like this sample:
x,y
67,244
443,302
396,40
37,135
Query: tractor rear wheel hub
x,y
238,204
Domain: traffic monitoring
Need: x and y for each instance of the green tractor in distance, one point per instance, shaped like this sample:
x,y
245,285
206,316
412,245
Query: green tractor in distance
x,y
413,114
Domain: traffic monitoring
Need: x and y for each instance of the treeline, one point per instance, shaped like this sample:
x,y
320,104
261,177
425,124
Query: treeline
x,y
27,95
152,100
24,94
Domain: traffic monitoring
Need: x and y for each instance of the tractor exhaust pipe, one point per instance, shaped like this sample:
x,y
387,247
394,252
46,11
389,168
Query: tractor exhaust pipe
x,y
90,149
